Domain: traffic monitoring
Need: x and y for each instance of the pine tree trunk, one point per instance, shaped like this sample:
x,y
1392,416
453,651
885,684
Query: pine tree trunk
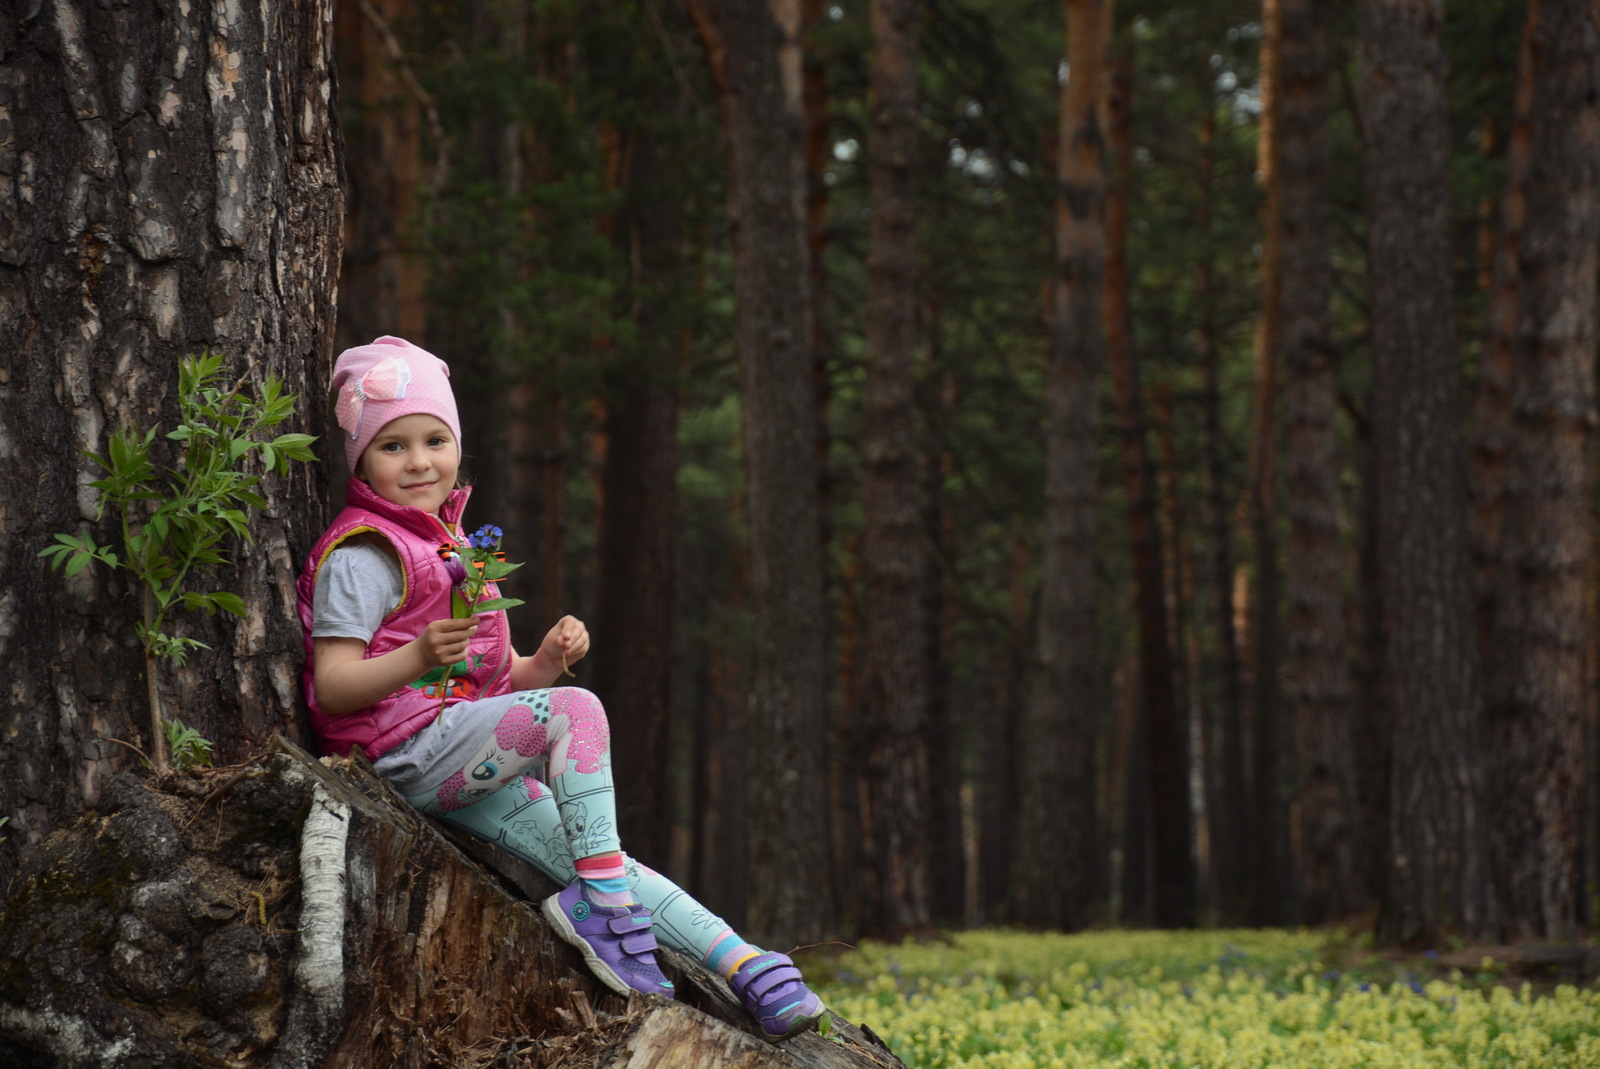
x,y
1267,818
1057,880
1168,784
1541,683
1319,681
170,185
896,791
382,279
634,649
1436,878
1224,731
788,688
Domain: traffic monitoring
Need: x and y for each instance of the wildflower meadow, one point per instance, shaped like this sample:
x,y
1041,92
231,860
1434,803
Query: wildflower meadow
x,y
1200,1000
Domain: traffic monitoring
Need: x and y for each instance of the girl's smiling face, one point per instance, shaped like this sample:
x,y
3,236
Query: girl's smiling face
x,y
412,461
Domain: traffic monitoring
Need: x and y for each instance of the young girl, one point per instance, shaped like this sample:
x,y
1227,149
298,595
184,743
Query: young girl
x,y
509,758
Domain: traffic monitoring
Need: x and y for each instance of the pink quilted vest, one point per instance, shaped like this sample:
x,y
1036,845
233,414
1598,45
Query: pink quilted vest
x,y
416,537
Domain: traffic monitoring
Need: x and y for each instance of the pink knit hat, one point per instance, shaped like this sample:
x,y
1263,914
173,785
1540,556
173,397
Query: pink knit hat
x,y
379,383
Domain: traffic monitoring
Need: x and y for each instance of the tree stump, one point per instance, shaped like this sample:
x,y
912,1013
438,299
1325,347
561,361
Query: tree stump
x,y
291,912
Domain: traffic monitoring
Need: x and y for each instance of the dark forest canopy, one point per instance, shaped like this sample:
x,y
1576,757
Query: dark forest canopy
x,y
1141,483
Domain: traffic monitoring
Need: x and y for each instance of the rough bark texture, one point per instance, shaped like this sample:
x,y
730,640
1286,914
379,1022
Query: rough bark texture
x,y
1057,874
895,786
287,913
1492,427
1436,879
1318,676
778,412
1172,838
169,183
1541,683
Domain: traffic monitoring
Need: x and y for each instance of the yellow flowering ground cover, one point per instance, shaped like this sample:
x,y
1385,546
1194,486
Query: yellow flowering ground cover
x,y
1196,1000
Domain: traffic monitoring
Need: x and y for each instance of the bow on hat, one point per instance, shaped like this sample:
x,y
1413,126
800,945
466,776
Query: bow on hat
x,y
384,381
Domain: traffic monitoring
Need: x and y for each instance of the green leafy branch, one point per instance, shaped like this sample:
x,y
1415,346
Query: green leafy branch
x,y
176,519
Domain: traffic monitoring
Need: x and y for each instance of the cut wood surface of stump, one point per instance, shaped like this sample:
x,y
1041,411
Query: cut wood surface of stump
x,y
292,912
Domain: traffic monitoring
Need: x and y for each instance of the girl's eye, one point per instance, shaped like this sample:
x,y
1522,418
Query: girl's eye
x,y
436,441
391,447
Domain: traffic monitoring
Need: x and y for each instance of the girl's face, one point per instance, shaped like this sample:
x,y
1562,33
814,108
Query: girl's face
x,y
412,461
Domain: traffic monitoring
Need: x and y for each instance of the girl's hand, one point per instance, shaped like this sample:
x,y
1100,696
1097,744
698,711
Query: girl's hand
x,y
445,641
566,643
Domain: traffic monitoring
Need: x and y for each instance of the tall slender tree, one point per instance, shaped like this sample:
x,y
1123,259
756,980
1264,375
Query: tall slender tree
x,y
1541,681
1318,677
1436,876
778,410
896,791
1267,821
1224,773
1167,778
1057,868
181,193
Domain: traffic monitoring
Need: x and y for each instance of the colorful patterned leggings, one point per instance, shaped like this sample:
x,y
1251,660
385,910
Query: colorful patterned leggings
x,y
496,796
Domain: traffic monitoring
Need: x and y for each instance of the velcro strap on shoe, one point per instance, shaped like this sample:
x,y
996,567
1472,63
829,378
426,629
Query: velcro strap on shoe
x,y
765,982
628,923
639,943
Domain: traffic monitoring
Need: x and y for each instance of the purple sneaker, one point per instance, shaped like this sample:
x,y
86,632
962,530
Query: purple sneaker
x,y
772,989
616,940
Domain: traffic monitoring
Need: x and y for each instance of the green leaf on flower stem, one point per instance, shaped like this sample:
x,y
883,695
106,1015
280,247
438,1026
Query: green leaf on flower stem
x,y
269,456
495,604
496,569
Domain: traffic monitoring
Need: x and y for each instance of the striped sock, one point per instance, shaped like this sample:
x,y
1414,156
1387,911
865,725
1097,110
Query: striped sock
x,y
606,879
728,953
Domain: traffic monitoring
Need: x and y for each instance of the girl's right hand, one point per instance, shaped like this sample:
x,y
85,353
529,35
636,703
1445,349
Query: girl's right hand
x,y
445,641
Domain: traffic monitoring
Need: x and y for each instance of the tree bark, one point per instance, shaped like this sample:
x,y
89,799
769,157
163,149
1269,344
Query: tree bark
x,y
1226,782
169,183
895,708
1436,879
284,912
383,275
1319,679
1057,879
788,685
1541,683
1168,781
1267,831
634,648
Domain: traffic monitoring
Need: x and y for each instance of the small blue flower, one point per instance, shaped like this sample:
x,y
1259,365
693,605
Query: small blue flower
x,y
486,537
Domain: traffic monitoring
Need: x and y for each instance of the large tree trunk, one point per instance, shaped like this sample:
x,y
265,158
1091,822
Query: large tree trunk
x,y
1436,876
1541,684
1058,875
895,787
169,183
1319,678
1167,783
283,913
788,687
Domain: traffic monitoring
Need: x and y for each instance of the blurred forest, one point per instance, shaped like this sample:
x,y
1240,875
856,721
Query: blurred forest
x,y
1047,463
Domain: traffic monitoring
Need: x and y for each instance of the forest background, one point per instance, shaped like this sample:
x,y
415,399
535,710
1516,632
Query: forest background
x,y
1037,463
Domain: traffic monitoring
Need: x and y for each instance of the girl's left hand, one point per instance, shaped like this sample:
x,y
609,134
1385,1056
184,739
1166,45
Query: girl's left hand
x,y
567,642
